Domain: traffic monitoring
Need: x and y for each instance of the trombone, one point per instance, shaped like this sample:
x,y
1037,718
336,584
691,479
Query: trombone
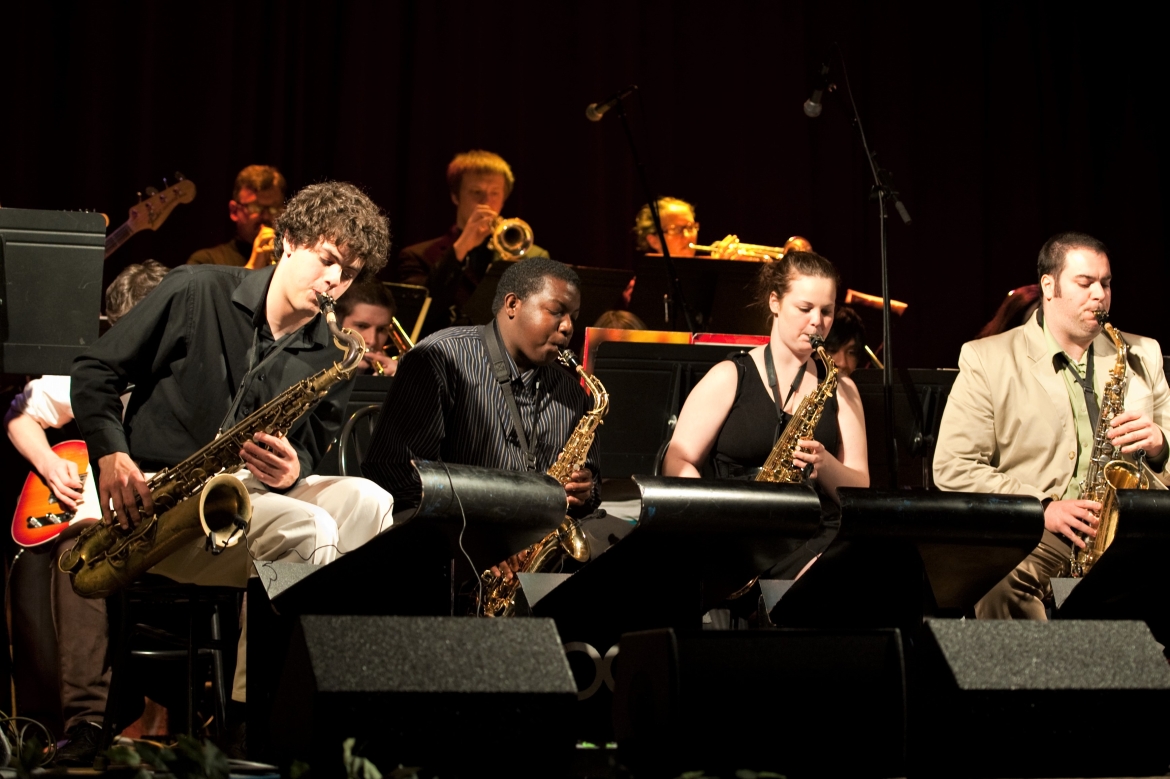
x,y
755,251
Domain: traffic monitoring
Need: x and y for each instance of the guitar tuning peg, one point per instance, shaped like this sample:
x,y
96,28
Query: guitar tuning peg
x,y
179,176
151,191
165,184
139,197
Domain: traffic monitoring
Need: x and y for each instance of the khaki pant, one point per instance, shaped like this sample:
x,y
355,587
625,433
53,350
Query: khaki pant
x,y
1021,594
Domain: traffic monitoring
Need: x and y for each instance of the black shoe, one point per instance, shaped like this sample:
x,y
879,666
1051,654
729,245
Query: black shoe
x,y
83,741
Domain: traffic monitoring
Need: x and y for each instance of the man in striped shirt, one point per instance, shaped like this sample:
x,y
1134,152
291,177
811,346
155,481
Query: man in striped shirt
x,y
446,403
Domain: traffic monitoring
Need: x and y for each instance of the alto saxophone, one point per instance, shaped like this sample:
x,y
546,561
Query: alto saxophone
x,y
499,594
1108,471
779,467
199,496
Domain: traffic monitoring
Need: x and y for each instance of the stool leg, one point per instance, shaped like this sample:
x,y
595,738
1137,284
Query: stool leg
x,y
218,682
120,630
191,669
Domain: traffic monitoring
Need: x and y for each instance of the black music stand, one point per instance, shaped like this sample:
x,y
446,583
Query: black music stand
x,y
409,570
722,293
1130,580
653,381
919,398
50,288
901,556
697,542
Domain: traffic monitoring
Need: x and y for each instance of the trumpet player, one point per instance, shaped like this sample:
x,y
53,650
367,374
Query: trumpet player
x,y
1022,415
368,309
452,265
679,227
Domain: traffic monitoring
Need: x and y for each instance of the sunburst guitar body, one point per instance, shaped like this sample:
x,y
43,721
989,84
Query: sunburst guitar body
x,y
39,518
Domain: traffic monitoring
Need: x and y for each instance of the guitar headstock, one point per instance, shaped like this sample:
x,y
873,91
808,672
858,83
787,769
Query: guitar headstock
x,y
152,212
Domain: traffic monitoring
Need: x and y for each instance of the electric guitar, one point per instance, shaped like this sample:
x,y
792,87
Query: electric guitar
x,y
152,212
39,518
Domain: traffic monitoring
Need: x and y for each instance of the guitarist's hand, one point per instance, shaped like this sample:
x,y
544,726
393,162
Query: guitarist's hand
x,y
122,484
263,249
62,477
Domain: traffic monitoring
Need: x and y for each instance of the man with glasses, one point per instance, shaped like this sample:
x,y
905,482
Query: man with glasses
x,y
257,200
679,226
452,265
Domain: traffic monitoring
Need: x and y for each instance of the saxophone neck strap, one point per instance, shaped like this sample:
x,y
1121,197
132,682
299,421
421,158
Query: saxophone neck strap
x,y
490,335
254,369
770,367
1086,383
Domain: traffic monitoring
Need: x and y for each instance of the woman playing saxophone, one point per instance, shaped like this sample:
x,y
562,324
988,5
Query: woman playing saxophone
x,y
735,415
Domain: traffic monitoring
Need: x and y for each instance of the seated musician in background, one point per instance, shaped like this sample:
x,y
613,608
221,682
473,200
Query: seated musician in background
x,y
1021,417
679,227
452,265
45,404
735,415
368,309
845,342
446,404
257,201
1016,308
209,347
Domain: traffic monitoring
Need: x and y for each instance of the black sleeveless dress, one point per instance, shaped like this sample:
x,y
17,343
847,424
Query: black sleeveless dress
x,y
746,439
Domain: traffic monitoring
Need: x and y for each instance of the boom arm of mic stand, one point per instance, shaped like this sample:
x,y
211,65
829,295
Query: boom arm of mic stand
x,y
652,201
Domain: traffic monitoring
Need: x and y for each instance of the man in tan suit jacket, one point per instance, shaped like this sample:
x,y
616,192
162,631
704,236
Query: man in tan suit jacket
x,y
1019,422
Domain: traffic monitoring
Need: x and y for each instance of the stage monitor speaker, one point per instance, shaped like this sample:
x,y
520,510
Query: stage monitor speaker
x,y
50,288
796,702
1016,698
453,694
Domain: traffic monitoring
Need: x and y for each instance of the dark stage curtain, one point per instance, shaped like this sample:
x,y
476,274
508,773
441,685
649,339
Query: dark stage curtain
x,y
1001,122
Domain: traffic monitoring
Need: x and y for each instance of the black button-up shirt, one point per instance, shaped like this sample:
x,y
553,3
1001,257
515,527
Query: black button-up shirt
x,y
186,349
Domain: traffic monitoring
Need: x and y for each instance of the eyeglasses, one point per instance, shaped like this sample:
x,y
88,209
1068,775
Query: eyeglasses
x,y
256,208
690,228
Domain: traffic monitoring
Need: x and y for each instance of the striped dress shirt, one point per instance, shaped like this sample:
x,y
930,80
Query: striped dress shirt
x,y
445,404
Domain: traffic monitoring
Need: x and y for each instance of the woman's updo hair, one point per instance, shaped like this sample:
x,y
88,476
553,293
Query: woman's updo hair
x,y
778,276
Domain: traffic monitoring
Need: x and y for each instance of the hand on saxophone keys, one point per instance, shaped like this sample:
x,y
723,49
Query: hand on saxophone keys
x,y
579,488
122,491
1132,431
272,460
1069,518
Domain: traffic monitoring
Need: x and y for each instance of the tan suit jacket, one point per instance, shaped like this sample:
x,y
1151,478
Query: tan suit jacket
x,y
1008,425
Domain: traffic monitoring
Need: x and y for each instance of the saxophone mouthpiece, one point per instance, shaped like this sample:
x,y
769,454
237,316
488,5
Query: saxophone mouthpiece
x,y
568,359
325,303
1102,316
816,341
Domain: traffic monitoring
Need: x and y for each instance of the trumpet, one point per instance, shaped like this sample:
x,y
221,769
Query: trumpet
x,y
755,251
511,238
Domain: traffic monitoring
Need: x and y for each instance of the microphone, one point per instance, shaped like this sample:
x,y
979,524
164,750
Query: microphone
x,y
813,106
594,112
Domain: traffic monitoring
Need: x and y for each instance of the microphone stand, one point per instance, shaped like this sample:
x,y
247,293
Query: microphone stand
x,y
881,191
671,272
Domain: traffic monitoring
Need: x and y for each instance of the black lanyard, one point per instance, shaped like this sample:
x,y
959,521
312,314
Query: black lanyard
x,y
490,335
253,368
770,367
1086,383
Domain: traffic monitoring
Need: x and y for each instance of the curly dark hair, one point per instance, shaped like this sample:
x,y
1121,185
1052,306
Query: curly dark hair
x,y
130,286
526,277
342,214
777,276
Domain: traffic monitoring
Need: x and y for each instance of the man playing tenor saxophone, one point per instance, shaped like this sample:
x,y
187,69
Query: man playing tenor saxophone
x,y
208,347
1021,417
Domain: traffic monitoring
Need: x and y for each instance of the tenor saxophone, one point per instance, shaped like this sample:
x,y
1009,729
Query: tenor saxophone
x,y
499,594
780,467
1108,469
199,496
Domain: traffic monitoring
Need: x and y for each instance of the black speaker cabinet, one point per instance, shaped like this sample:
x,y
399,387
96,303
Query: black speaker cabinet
x,y
795,702
460,695
1002,698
